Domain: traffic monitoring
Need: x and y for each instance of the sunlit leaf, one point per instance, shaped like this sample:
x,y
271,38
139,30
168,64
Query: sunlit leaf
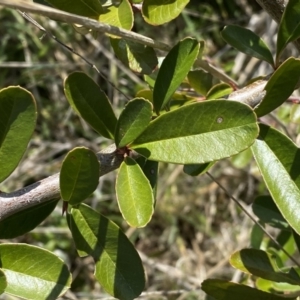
x,y
199,133
218,91
278,160
247,42
173,70
17,123
280,86
118,266
260,263
225,290
25,220
119,15
91,103
139,58
134,194
79,175
157,12
289,27
133,120
33,273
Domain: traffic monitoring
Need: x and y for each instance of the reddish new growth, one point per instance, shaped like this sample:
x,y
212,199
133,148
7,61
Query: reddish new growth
x,y
124,151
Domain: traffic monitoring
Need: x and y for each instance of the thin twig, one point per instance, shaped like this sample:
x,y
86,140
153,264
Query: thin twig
x,y
251,217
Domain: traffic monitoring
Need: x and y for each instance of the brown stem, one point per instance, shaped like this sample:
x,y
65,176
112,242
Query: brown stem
x,y
48,188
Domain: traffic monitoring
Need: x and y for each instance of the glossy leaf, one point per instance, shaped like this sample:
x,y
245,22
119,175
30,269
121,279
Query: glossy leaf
x,y
134,194
280,86
25,220
225,290
200,81
266,210
173,70
79,175
289,27
86,8
18,118
218,91
156,12
247,42
118,266
33,273
91,103
120,15
3,282
278,160
199,133
139,58
260,263
197,169
133,120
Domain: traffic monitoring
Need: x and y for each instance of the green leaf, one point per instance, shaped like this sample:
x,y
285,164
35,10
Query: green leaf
x,y
219,91
257,236
267,285
25,220
79,175
266,210
242,159
200,81
91,103
33,273
134,194
247,42
173,70
224,290
295,114
280,86
278,160
18,118
289,27
139,58
86,8
150,169
157,12
120,15
197,169
118,266
133,120
3,282
260,263
199,133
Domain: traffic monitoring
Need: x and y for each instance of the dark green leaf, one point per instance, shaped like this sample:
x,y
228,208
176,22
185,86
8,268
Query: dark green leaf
x,y
266,210
197,169
133,120
25,220
79,175
297,240
199,133
150,169
247,42
200,81
278,160
173,70
91,103
224,290
33,273
260,263
257,236
289,27
134,194
156,12
118,266
139,58
86,8
3,282
18,118
280,86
